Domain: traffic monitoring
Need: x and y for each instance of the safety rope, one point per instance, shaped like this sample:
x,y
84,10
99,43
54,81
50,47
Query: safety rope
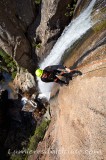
x,y
93,70
96,62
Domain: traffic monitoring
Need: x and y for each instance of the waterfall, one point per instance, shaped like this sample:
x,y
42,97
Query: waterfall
x,y
77,28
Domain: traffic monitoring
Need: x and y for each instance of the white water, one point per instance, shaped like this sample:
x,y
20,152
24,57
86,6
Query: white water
x,y
72,32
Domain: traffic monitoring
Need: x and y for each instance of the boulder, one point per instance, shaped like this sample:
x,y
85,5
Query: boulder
x,y
24,81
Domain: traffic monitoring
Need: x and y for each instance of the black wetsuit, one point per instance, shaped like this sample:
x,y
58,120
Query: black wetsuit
x,y
50,72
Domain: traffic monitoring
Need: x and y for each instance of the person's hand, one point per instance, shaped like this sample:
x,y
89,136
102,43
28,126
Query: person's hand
x,y
68,70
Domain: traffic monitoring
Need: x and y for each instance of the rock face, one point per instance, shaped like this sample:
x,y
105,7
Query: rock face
x,y
52,23
15,18
14,21
77,130
24,81
80,125
25,11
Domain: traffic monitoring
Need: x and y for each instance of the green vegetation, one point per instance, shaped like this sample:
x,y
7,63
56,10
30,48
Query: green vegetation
x,y
99,18
7,64
38,135
70,9
33,142
17,157
37,1
100,26
35,45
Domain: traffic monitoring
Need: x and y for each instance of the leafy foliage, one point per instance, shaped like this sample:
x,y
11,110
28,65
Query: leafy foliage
x,y
70,9
39,134
37,1
35,45
7,64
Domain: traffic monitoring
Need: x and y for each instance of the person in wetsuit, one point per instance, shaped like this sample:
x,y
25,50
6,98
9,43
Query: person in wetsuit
x,y
50,74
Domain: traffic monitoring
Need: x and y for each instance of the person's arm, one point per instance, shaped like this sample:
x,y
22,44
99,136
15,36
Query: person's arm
x,y
59,81
67,69
48,68
46,80
64,69
54,67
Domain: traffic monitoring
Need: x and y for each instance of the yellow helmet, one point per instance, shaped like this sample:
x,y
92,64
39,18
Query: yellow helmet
x,y
39,72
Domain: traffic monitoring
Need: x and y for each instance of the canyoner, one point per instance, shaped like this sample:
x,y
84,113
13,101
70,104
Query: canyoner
x,y
56,73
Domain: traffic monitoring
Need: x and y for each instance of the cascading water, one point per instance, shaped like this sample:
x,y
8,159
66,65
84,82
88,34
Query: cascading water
x,y
77,28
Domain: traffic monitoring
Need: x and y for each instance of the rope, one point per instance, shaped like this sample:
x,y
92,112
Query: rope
x,y
99,61
94,70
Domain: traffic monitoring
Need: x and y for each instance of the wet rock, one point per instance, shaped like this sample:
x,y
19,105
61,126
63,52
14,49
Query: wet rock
x,y
80,6
92,44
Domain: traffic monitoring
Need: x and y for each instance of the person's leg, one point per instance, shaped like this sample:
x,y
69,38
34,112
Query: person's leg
x,y
76,72
71,74
68,76
62,82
